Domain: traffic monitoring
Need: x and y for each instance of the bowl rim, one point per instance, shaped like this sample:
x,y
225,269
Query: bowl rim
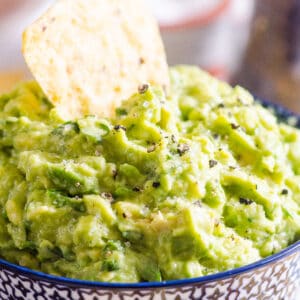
x,y
282,113
40,276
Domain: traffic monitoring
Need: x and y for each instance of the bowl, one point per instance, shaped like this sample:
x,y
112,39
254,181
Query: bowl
x,y
275,277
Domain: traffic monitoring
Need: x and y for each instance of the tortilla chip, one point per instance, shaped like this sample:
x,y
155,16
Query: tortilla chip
x,y
89,55
9,79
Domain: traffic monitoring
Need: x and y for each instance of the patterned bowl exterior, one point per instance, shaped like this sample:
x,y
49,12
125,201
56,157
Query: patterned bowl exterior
x,y
274,278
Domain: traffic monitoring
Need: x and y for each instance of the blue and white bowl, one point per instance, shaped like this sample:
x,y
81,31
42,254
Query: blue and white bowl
x,y
274,278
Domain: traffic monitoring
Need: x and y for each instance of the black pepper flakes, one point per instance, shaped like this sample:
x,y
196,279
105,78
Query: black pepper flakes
x,y
107,195
173,138
221,105
245,201
216,136
197,203
143,88
136,189
234,126
124,215
284,192
118,127
156,184
212,163
182,149
217,223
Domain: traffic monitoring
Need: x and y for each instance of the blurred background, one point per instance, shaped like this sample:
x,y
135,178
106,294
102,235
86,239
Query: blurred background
x,y
248,42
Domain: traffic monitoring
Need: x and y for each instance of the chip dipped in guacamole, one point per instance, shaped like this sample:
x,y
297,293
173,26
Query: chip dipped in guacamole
x,y
199,182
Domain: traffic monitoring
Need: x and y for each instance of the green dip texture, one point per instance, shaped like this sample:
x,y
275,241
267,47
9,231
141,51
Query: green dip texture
x,y
204,181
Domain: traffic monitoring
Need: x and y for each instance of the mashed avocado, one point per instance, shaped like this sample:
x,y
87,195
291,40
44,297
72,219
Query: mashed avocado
x,y
204,181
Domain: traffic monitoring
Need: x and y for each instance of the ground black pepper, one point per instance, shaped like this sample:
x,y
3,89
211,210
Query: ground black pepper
x,y
156,184
235,126
245,201
212,163
118,127
197,203
182,149
107,195
143,88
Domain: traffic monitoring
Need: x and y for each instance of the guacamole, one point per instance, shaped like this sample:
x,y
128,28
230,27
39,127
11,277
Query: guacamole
x,y
200,182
